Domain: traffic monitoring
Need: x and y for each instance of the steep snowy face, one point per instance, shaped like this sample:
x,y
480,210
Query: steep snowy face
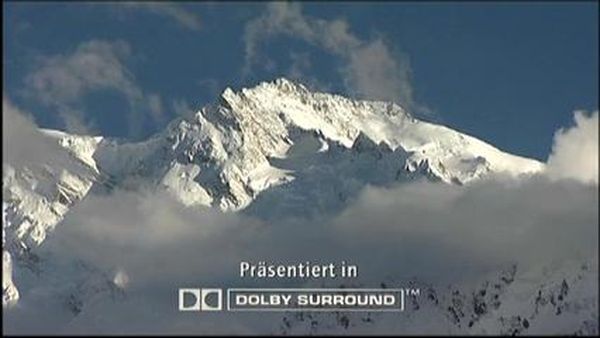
x,y
267,116
36,197
255,139
266,113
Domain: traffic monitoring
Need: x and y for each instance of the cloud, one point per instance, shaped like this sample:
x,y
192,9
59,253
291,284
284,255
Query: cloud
x,y
23,144
181,16
374,73
94,64
300,70
439,233
182,108
300,63
441,228
575,150
287,19
369,67
156,107
61,82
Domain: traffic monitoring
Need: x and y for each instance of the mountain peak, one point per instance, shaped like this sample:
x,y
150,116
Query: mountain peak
x,y
284,83
262,149
280,84
230,153
253,139
234,149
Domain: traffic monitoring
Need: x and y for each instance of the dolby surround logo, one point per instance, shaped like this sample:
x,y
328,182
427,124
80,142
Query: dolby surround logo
x,y
200,299
293,299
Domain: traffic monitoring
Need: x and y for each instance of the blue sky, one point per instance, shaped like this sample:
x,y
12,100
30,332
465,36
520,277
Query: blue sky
x,y
508,73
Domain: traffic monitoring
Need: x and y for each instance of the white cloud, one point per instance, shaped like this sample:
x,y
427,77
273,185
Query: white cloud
x,y
575,150
182,108
300,70
300,63
23,144
156,107
369,67
439,233
373,72
62,81
95,64
181,16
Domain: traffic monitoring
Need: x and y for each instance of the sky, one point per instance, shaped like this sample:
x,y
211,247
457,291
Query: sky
x,y
508,73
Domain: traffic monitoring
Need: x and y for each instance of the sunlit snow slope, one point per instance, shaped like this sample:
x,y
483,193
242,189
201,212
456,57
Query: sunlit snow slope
x,y
278,141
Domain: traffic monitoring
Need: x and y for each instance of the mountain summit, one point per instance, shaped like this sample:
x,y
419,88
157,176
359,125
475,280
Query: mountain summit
x,y
274,150
230,151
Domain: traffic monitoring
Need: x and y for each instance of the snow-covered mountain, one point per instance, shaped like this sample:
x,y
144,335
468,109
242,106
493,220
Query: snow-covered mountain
x,y
249,143
507,302
35,198
278,142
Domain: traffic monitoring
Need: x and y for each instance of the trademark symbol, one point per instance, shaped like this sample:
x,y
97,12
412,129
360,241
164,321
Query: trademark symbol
x,y
413,292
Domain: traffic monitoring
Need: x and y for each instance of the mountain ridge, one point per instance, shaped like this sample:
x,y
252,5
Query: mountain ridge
x,y
253,125
250,150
